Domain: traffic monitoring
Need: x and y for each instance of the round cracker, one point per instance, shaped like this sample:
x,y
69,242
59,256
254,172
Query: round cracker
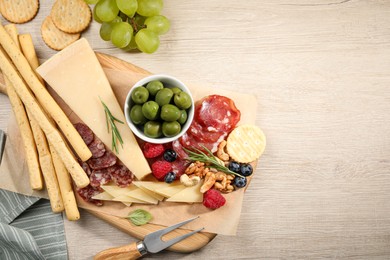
x,y
19,11
71,16
246,143
54,37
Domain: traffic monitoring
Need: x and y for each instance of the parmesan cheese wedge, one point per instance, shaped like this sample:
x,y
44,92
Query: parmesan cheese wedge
x,y
116,191
78,78
103,196
189,194
171,190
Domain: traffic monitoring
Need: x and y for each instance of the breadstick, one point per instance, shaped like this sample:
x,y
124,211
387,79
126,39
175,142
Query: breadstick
x,y
44,155
28,51
68,198
53,136
45,99
29,144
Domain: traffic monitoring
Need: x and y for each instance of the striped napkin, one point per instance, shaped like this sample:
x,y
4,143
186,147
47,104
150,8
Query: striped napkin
x,y
29,229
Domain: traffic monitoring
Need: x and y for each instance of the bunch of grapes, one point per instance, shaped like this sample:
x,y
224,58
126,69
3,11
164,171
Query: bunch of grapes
x,y
131,24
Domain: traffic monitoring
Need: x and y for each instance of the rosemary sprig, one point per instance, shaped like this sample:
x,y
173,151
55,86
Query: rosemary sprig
x,y
110,121
209,158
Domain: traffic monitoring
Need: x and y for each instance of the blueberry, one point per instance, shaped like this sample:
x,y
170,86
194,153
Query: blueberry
x,y
246,169
239,182
170,155
170,177
234,166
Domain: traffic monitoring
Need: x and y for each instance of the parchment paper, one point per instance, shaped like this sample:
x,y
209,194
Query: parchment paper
x,y
14,175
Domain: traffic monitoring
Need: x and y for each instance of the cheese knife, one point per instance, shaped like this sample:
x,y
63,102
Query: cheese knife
x,y
152,243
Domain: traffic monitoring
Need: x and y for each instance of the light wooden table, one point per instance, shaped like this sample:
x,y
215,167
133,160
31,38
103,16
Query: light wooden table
x,y
321,72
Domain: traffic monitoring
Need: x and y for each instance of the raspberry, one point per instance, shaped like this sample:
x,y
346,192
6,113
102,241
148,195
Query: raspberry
x,y
213,199
160,169
153,150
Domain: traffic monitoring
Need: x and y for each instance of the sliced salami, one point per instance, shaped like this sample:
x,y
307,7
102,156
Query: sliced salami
x,y
105,161
85,133
97,148
88,192
202,134
121,175
100,177
86,168
217,113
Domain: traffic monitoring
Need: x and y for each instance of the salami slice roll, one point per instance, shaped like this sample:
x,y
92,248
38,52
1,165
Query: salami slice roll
x,y
179,166
97,148
178,147
85,133
121,175
105,161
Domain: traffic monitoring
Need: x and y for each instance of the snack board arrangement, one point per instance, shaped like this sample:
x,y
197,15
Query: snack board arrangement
x,y
202,173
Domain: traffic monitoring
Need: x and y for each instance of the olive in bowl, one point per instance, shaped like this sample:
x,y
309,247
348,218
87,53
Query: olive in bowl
x,y
159,109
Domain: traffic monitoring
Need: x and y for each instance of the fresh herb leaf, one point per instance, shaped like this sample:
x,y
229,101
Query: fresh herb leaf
x,y
208,158
139,217
110,121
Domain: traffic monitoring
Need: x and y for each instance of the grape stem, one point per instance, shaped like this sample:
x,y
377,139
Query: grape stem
x,y
136,26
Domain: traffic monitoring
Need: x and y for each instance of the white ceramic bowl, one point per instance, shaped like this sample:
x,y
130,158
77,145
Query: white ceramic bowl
x,y
168,81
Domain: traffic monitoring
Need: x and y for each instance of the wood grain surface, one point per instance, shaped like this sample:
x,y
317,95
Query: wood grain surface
x,y
320,70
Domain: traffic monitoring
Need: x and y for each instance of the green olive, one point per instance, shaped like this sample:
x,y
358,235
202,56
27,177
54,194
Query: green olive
x,y
150,110
140,95
153,129
170,129
154,86
136,115
164,96
170,113
182,100
183,117
176,90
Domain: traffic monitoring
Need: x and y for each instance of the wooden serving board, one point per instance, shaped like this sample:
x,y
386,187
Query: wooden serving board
x,y
191,243
115,69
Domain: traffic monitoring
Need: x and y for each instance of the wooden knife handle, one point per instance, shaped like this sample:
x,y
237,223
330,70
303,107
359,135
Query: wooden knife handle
x,y
126,252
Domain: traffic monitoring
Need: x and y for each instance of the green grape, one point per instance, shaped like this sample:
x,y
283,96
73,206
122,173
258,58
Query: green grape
x,y
107,10
106,28
147,41
131,46
91,2
105,31
121,34
95,17
149,7
158,24
128,7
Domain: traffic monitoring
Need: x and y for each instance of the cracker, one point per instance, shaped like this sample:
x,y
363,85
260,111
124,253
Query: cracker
x,y
71,16
246,143
54,37
19,11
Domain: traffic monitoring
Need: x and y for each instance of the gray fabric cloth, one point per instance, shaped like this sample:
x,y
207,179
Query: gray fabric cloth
x,y
29,229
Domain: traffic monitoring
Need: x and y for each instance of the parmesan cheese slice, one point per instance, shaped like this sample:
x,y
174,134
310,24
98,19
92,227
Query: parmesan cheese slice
x,y
78,78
